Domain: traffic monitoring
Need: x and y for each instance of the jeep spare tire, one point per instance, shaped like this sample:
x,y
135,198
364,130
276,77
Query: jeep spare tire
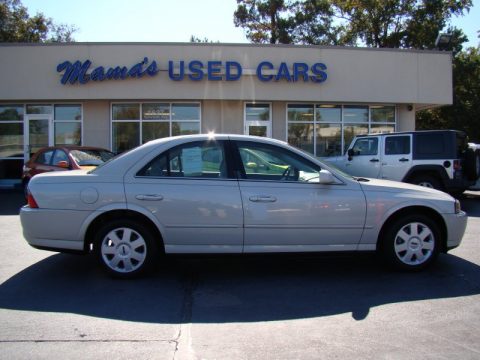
x,y
472,164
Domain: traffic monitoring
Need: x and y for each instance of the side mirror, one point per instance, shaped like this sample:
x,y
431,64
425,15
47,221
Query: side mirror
x,y
350,154
326,177
63,164
251,165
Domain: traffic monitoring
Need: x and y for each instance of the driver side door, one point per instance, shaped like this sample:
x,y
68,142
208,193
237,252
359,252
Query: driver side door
x,y
287,209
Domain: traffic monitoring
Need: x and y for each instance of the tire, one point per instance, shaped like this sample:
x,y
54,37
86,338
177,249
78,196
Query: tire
x,y
411,243
472,164
428,181
125,248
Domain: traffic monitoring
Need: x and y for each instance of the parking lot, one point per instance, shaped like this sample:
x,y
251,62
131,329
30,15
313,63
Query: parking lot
x,y
256,307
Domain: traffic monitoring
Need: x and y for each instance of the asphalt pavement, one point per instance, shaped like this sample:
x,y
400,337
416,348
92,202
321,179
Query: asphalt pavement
x,y
257,307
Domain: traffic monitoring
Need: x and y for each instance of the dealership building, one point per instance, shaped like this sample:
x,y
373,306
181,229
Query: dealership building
x,y
120,95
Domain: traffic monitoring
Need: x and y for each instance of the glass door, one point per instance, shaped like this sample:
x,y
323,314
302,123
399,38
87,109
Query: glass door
x,y
258,119
38,133
257,128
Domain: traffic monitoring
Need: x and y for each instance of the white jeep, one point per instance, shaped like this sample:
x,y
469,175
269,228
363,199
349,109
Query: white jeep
x,y
440,159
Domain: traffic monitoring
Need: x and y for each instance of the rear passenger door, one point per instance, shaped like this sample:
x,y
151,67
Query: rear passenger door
x,y
397,156
194,197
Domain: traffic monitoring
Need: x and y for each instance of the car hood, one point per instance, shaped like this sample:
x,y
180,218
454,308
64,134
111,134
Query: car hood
x,y
368,184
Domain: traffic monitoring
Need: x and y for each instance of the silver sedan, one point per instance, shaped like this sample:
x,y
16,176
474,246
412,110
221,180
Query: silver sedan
x,y
233,194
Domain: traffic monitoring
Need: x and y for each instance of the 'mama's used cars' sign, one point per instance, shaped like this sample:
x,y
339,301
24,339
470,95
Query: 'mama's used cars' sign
x,y
194,70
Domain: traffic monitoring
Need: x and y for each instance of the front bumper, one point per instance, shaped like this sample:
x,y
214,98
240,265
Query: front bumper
x,y
456,225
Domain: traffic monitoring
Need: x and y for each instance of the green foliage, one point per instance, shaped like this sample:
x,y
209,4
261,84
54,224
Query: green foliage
x,y
16,25
373,23
464,114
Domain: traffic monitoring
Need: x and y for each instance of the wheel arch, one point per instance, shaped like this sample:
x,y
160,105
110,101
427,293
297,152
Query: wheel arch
x,y
103,218
423,210
430,170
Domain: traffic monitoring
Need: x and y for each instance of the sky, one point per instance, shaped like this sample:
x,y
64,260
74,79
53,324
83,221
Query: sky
x,y
170,20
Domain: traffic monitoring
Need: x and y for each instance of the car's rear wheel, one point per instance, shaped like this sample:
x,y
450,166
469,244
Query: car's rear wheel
x,y
411,242
125,248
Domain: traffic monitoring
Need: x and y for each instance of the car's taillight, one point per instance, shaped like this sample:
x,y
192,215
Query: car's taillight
x,y
31,201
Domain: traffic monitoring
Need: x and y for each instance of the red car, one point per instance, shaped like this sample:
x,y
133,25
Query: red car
x,y
61,158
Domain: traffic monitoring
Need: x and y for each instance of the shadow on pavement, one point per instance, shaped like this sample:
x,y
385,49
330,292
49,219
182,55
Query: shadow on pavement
x,y
233,289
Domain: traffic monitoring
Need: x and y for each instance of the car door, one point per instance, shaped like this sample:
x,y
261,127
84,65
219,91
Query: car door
x,y
287,209
396,157
191,192
364,160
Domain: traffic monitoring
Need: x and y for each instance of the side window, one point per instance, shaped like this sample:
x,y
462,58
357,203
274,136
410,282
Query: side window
x,y
45,157
397,145
196,160
268,162
60,155
430,144
366,146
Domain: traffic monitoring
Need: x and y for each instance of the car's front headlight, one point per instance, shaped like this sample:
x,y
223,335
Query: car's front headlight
x,y
458,208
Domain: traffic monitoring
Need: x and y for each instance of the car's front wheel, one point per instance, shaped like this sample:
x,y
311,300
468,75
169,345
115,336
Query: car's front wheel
x,y
411,242
125,248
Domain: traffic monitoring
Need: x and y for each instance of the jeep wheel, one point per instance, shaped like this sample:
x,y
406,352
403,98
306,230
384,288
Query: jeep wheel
x,y
428,181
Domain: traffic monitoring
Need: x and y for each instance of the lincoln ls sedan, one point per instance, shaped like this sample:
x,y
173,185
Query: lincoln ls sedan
x,y
233,194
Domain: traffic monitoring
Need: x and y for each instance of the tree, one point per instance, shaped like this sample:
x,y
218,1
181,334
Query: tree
x,y
374,23
16,25
464,114
265,21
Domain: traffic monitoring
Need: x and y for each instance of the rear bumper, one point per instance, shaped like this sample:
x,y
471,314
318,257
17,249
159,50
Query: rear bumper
x,y
56,230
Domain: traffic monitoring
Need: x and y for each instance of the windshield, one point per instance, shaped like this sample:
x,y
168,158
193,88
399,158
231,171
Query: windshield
x,y
91,157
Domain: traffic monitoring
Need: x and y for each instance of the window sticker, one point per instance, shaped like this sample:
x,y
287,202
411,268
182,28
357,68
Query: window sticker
x,y
192,161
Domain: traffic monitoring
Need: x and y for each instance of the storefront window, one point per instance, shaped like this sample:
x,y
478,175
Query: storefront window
x,y
155,111
328,130
301,136
329,113
300,113
11,112
126,112
185,112
157,120
68,112
11,140
328,140
383,114
154,130
68,133
355,114
68,124
350,131
125,136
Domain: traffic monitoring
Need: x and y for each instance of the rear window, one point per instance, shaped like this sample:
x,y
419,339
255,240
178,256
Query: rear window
x,y
430,144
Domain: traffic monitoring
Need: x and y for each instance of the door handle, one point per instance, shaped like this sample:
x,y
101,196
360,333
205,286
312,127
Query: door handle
x,y
149,197
374,160
403,159
262,198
